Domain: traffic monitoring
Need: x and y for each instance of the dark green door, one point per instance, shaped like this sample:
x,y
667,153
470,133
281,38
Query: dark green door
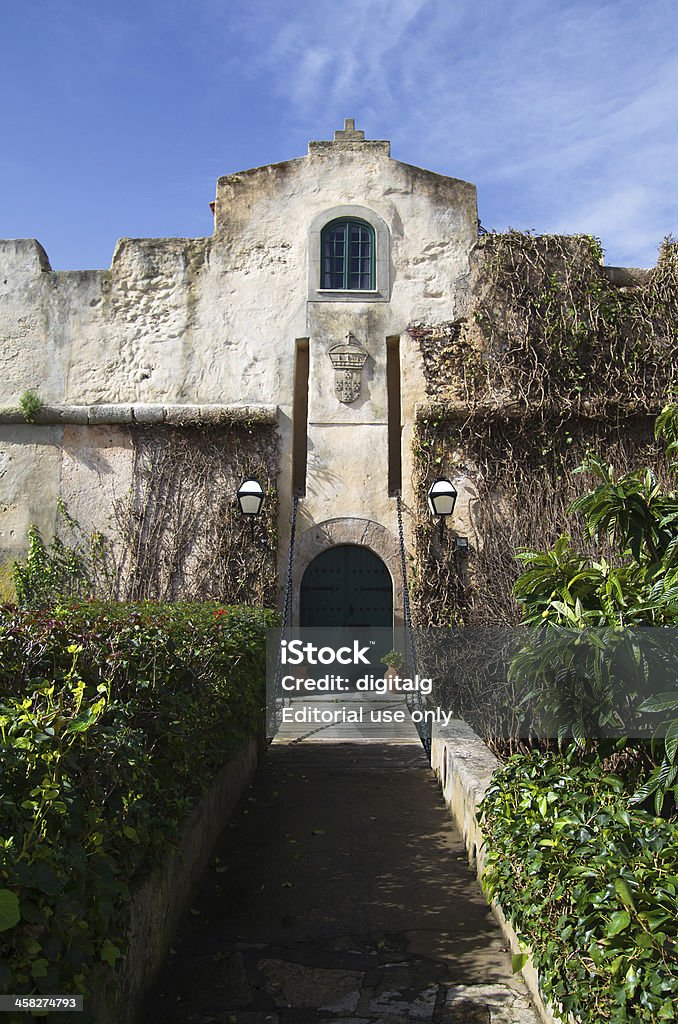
x,y
347,586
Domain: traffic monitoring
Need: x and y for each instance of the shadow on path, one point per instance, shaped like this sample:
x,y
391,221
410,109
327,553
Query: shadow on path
x,y
340,891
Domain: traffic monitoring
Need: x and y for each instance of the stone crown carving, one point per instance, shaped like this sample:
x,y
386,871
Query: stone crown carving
x,y
348,359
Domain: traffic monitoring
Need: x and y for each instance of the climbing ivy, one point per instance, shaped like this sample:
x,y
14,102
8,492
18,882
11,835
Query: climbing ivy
x,y
522,476
552,360
549,330
177,534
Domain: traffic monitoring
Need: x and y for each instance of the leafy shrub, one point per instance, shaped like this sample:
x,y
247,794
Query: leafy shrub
x,y
664,776
63,570
636,586
48,572
590,884
113,718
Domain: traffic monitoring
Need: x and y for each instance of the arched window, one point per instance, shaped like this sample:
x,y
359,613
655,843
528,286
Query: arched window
x,y
348,256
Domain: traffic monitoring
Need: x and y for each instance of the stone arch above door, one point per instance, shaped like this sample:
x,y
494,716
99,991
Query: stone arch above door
x,y
363,532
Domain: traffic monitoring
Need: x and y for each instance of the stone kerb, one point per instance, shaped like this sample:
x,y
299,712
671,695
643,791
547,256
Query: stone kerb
x,y
159,904
464,766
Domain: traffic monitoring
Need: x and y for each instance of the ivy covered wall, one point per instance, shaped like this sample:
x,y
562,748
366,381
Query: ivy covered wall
x,y
557,356
149,511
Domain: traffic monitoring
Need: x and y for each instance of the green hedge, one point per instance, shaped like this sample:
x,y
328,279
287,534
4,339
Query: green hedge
x,y
589,884
113,718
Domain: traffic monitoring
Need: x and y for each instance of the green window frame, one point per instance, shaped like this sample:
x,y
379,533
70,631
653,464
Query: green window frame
x,y
348,256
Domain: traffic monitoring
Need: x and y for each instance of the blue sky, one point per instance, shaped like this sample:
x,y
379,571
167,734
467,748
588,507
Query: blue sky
x,y
118,117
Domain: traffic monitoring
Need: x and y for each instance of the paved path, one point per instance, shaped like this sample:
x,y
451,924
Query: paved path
x,y
340,892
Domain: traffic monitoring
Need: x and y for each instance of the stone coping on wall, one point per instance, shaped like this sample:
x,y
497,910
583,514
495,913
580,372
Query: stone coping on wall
x,y
175,415
464,766
451,409
627,277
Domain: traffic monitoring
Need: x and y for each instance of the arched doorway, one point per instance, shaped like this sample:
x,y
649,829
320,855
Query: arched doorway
x,y
346,586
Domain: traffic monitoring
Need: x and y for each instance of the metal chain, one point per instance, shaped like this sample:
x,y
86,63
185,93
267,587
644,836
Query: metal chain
x,y
287,600
274,702
422,729
407,611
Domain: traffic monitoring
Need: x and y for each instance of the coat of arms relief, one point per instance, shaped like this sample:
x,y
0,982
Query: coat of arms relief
x,y
348,359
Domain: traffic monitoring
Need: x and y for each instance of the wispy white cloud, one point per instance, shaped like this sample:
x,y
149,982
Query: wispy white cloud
x,y
354,48
625,215
562,109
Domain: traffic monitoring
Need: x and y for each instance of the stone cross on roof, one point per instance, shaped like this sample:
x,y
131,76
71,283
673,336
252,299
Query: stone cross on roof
x,y
349,132
350,139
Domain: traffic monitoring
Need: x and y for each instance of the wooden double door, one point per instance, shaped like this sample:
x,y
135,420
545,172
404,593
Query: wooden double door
x,y
349,587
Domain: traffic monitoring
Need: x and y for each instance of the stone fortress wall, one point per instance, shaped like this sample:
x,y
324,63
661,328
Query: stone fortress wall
x,y
211,327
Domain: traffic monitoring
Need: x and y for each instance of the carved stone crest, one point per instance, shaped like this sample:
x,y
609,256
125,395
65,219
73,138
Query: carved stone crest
x,y
348,359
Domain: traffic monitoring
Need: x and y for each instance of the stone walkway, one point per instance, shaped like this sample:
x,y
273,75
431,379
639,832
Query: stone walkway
x,y
340,893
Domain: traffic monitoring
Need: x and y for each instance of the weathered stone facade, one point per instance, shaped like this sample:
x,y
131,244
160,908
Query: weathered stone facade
x,y
210,328
214,322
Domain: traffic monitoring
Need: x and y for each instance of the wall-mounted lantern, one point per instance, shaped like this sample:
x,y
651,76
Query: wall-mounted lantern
x,y
250,497
442,495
